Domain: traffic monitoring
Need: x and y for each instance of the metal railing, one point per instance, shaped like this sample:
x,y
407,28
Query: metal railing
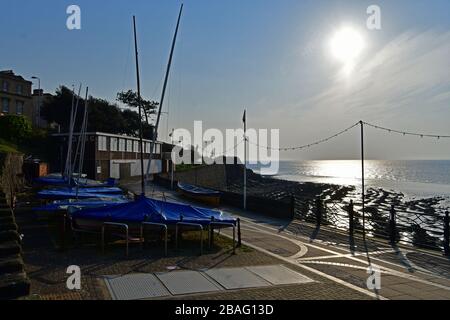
x,y
117,225
422,229
162,226
196,225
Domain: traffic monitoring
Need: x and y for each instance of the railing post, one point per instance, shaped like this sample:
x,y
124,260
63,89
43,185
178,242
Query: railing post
x,y
292,206
351,223
239,231
446,234
393,225
319,210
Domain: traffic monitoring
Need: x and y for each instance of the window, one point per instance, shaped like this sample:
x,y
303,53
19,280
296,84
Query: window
x,y
122,145
19,89
136,146
129,145
5,105
147,147
19,107
113,144
102,144
5,85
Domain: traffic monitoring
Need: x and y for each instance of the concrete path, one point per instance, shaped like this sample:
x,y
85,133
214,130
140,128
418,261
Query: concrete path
x,y
405,272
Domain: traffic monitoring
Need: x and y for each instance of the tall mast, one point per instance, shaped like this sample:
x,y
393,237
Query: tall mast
x,y
82,137
140,107
169,63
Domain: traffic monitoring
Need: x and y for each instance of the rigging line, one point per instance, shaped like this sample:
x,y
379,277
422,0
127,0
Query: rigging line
x,y
309,144
406,133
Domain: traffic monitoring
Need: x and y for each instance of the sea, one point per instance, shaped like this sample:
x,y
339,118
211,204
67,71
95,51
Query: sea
x,y
414,178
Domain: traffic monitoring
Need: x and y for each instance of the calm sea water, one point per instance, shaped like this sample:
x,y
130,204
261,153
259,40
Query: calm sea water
x,y
414,178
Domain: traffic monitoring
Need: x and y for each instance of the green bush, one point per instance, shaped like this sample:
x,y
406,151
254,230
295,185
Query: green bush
x,y
14,128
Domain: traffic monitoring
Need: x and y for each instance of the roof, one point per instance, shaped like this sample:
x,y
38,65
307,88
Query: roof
x,y
105,135
10,74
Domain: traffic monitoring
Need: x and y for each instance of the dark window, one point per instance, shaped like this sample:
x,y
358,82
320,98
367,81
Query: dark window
x,y
5,86
19,107
5,105
19,89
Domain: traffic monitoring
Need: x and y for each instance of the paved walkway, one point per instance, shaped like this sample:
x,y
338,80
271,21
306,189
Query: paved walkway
x,y
405,273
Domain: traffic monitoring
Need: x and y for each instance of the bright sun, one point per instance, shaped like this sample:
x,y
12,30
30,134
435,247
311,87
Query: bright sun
x,y
346,45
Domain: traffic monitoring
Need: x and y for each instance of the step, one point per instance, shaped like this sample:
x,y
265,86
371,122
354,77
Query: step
x,y
9,235
9,248
7,220
11,264
8,227
14,285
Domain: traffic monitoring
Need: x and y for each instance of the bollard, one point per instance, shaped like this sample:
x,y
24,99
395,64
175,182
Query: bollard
x,y
239,231
392,226
318,211
351,224
446,235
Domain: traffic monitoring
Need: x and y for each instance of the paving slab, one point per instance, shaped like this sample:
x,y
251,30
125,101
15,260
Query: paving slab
x,y
135,287
279,275
187,282
237,278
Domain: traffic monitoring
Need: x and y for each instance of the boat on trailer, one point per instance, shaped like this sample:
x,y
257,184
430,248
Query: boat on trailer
x,y
147,210
208,196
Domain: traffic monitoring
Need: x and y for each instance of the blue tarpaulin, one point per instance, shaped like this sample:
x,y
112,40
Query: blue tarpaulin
x,y
80,204
71,193
151,210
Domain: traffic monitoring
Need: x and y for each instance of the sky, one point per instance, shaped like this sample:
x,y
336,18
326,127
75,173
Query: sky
x,y
271,57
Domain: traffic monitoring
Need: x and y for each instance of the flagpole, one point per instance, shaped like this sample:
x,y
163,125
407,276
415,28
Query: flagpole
x,y
245,159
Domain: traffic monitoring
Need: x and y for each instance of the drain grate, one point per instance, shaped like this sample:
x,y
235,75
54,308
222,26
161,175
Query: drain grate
x,y
185,282
279,274
135,286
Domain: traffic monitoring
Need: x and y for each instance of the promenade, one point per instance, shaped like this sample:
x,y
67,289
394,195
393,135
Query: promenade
x,y
334,261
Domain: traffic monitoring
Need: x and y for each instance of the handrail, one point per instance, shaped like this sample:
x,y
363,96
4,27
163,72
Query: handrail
x,y
114,224
212,223
161,225
193,225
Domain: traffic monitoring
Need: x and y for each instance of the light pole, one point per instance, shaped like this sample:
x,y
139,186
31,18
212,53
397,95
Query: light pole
x,y
38,120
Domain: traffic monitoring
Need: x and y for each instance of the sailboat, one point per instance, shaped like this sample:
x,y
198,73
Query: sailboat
x,y
144,209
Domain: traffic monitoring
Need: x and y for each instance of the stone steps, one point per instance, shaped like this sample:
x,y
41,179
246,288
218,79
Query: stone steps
x,y
14,282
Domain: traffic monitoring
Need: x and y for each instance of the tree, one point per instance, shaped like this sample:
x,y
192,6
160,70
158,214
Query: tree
x,y
130,98
15,128
102,115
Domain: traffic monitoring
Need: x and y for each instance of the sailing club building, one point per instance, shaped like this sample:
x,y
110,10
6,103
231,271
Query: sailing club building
x,y
110,155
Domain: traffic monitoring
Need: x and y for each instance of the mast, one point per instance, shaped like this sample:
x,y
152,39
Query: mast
x,y
73,119
83,139
169,63
140,107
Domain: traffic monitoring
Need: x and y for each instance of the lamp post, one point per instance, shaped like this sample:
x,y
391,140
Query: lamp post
x,y
38,120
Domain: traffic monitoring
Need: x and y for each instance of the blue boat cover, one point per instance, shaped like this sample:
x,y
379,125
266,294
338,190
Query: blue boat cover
x,y
55,180
80,204
144,209
197,190
72,194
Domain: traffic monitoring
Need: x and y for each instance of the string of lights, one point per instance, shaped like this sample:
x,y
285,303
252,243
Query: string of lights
x,y
228,150
309,144
406,133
